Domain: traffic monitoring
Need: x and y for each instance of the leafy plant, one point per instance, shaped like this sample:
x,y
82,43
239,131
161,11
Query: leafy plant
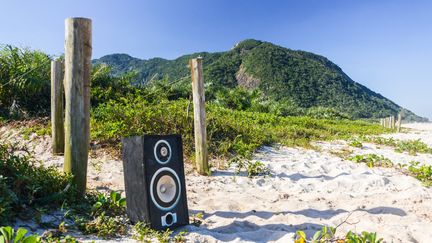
x,y
24,81
106,217
372,160
328,234
197,219
253,168
25,184
8,235
413,147
114,204
143,233
356,143
103,225
364,237
421,172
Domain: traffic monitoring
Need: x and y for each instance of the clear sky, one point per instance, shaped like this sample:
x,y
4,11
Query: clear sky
x,y
385,45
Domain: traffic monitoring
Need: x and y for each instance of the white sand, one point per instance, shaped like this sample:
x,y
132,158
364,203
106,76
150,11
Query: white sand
x,y
307,189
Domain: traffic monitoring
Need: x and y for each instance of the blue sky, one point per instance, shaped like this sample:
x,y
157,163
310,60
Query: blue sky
x,y
385,45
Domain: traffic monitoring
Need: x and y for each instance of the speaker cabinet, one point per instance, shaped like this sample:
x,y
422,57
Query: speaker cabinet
x,y
155,181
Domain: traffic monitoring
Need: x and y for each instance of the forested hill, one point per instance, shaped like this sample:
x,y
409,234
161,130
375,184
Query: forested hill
x,y
298,77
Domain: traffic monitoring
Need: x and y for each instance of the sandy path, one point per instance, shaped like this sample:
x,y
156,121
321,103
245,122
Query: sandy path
x,y
307,189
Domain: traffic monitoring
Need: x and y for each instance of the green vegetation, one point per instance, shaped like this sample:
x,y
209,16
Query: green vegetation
x,y
26,186
356,143
253,168
8,235
229,132
291,80
372,160
40,129
421,172
257,94
105,218
328,234
411,146
24,82
144,233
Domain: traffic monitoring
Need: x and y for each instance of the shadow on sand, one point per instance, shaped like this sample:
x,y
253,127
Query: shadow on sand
x,y
248,231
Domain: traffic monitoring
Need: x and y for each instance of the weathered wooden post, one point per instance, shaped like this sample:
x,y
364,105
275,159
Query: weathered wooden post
x,y
199,115
78,50
57,122
393,121
399,122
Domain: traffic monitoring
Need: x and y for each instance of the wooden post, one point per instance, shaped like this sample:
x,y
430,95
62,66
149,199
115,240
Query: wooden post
x,y
399,122
199,116
78,50
57,122
393,118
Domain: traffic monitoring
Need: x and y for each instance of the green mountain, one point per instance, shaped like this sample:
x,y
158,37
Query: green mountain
x,y
281,74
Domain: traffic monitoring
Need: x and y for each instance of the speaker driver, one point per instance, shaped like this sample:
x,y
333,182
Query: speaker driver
x,y
162,151
165,188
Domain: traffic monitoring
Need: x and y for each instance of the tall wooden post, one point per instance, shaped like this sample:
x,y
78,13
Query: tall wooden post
x,y
57,122
393,122
78,50
399,122
201,156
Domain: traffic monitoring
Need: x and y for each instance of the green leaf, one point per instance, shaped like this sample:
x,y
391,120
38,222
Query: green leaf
x,y
122,202
115,196
7,232
31,239
301,234
20,234
316,235
97,205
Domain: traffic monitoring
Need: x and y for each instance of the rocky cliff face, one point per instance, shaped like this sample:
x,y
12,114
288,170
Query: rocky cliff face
x,y
246,80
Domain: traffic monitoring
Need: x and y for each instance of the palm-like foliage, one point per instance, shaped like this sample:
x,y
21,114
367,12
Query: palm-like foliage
x,y
24,81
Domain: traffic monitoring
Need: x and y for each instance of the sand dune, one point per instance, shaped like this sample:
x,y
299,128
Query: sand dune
x,y
307,189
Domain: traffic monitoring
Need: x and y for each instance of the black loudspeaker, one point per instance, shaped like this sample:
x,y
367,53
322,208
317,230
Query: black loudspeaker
x,y
155,181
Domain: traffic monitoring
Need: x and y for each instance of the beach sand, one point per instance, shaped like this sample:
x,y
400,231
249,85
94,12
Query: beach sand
x,y
306,189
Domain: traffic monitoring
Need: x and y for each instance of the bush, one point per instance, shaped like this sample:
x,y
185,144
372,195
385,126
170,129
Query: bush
x,y
23,184
24,81
230,132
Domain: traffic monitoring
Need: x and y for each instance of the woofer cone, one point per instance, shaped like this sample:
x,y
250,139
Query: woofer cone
x,y
165,188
